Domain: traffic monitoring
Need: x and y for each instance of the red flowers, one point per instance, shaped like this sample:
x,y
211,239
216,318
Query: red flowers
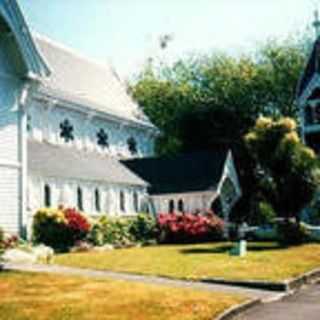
x,y
188,226
76,221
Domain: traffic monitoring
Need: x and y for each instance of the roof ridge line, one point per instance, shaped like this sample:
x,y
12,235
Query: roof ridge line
x,y
73,51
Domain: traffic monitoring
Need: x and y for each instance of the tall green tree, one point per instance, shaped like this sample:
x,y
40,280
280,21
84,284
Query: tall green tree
x,y
288,170
211,101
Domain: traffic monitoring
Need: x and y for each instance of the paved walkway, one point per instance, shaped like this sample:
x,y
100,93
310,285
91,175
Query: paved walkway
x,y
264,295
304,305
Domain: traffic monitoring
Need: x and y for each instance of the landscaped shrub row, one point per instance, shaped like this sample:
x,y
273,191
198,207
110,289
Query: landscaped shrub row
x,y
188,227
63,228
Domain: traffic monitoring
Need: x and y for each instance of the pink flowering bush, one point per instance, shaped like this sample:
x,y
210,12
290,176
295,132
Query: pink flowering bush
x,y
8,241
189,227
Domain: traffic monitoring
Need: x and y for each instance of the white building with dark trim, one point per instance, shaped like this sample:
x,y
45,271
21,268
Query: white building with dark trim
x,y
65,122
68,129
188,182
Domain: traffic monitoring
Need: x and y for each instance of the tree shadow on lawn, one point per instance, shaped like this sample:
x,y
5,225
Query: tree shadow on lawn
x,y
227,247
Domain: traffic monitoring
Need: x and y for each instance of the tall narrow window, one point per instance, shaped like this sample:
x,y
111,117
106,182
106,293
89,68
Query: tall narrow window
x,y
97,200
122,201
135,202
181,205
66,131
47,196
132,146
171,206
80,199
29,126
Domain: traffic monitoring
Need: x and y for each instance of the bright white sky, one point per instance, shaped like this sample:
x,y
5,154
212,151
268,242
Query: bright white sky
x,y
126,32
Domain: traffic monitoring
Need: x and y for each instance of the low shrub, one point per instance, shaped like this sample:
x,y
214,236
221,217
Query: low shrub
x,y
60,228
116,231
188,227
96,234
143,228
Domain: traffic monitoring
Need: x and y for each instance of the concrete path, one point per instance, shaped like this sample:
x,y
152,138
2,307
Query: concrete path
x,y
264,295
304,305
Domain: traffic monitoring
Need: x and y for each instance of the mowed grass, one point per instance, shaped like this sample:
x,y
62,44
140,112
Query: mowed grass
x,y
265,261
41,297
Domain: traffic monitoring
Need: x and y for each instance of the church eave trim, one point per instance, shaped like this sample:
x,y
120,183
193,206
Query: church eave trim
x,y
41,96
12,15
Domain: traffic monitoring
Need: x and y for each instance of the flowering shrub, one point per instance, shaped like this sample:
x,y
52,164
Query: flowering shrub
x,y
143,227
60,228
77,223
189,227
116,231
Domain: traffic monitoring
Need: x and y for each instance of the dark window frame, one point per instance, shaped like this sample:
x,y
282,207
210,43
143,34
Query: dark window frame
x,y
97,200
181,205
171,206
122,201
80,198
136,202
47,196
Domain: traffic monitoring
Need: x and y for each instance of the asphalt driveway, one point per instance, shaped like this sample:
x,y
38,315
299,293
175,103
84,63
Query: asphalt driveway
x,y
304,305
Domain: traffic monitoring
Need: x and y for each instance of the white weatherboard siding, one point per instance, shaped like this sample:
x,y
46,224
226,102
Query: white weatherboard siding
x,y
43,84
9,195
44,124
10,166
64,192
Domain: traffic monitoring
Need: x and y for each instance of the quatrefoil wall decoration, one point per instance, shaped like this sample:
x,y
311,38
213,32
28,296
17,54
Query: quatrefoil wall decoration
x,y
66,131
132,145
102,138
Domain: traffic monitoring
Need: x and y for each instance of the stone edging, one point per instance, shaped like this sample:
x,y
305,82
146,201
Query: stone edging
x,y
236,310
281,286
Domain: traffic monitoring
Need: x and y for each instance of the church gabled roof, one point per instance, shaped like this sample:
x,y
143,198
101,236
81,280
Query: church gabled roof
x,y
79,80
10,12
200,171
311,69
48,160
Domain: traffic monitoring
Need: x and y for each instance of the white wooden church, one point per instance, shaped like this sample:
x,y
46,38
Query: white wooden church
x,y
65,124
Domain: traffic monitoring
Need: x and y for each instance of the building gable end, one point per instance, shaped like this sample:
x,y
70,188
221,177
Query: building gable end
x,y
12,15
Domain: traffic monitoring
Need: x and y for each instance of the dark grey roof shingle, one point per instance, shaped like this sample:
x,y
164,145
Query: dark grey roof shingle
x,y
65,162
201,171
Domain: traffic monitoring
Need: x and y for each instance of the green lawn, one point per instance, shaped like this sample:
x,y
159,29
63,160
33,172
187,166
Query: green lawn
x,y
25,296
265,261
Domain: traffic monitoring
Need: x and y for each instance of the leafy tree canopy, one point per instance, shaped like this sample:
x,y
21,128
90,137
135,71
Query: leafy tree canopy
x,y
211,101
288,170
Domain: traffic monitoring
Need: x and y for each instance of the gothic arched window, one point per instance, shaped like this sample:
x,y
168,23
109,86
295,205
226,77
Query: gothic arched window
x,y
80,199
47,196
135,202
102,139
181,205
171,206
97,200
66,131
122,201
132,145
29,126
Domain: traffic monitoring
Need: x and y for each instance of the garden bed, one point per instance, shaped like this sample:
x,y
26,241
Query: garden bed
x,y
43,296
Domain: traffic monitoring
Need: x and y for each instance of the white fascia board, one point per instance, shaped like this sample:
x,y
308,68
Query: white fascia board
x,y
11,13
